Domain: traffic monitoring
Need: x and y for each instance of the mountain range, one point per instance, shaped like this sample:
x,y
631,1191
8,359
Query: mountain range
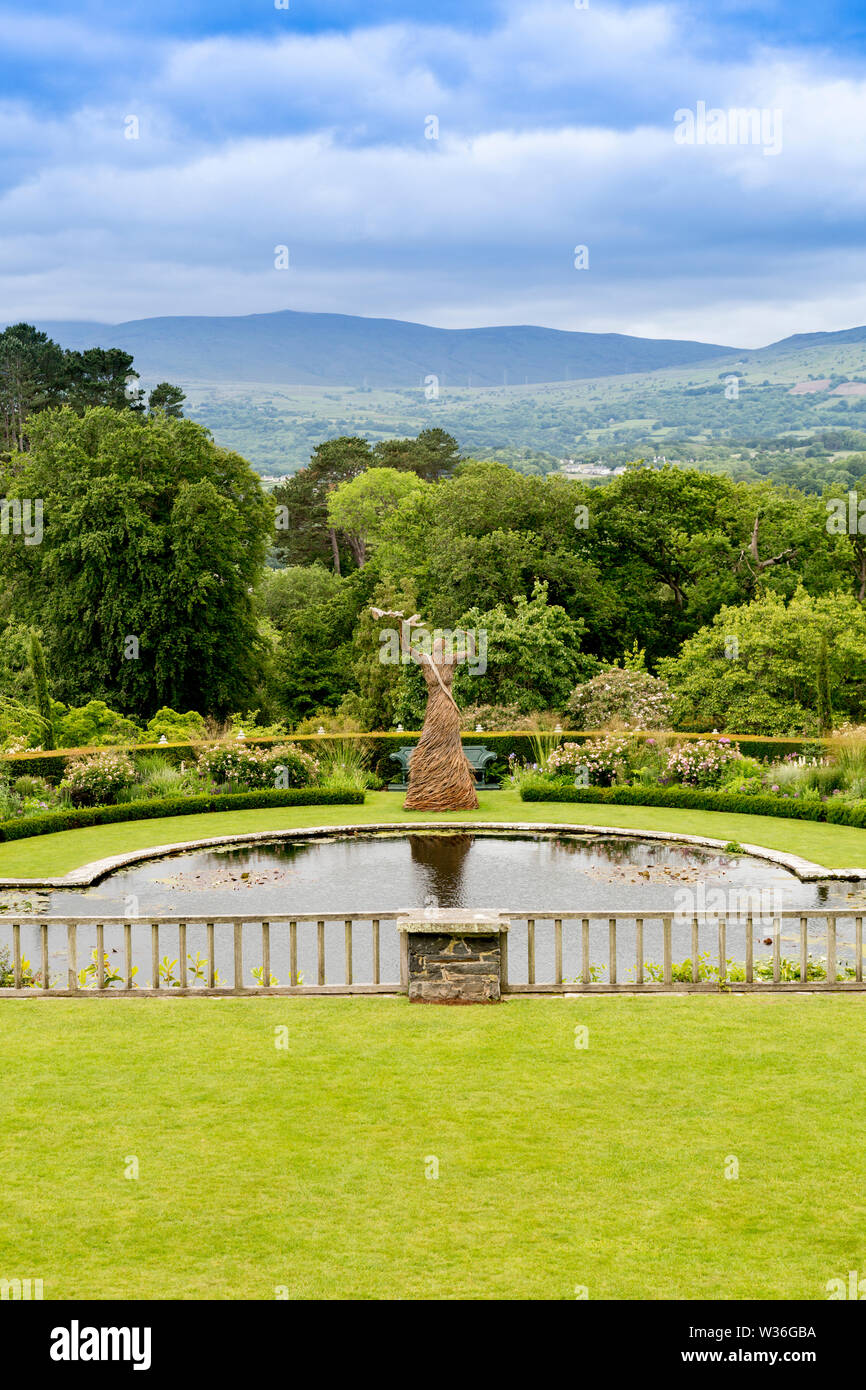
x,y
304,349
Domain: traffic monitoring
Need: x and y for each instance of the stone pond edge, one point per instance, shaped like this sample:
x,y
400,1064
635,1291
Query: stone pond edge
x,y
90,874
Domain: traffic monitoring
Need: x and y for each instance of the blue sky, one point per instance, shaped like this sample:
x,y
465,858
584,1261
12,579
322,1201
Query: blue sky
x,y
260,127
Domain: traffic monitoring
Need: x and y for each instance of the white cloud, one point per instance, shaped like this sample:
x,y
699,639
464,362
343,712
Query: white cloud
x,y
556,129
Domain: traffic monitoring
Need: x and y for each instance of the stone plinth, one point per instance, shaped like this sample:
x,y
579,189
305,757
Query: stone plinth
x,y
452,957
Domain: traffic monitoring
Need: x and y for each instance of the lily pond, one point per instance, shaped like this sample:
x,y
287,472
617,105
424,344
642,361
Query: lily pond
x,y
381,874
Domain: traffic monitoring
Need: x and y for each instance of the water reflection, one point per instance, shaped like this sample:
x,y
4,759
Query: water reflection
x,y
440,861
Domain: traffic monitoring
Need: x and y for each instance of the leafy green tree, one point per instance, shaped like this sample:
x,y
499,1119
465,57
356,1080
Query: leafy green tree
x,y
533,656
487,534
758,668
153,539
303,532
284,593
314,657
361,507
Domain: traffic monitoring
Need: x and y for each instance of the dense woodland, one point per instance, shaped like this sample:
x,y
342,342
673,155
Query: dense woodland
x,y
165,576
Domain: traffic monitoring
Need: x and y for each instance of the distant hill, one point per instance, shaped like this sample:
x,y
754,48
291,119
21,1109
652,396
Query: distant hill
x,y
301,349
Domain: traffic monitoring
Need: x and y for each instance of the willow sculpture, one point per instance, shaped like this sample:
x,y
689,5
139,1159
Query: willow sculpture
x,y
440,778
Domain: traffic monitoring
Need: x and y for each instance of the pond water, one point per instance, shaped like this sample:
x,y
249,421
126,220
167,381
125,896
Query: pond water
x,y
387,873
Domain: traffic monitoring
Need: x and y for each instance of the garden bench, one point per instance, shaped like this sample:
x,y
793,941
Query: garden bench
x,y
478,757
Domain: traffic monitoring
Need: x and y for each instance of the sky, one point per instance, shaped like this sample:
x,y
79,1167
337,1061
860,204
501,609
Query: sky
x,y
439,162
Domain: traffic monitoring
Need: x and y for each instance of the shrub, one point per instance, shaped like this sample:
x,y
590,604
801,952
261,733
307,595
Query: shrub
x,y
283,766
7,972
837,811
174,727
87,725
600,760
496,717
701,764
627,698
96,781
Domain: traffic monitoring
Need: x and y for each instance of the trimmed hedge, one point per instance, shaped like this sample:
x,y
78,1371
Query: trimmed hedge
x,y
696,799
173,806
52,765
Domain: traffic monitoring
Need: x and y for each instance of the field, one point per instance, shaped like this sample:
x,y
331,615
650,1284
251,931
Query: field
x,y
309,1171
276,425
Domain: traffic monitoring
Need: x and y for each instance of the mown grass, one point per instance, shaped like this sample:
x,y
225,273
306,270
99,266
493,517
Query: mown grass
x,y
833,846
304,1169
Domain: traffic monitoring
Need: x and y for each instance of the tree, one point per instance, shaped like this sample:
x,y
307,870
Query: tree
x,y
433,455
37,374
361,507
303,531
153,539
771,667
527,654
32,375
102,376
167,398
40,682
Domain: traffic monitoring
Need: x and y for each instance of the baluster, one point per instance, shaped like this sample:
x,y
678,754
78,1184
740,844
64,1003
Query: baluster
x,y
777,950
557,939
100,957
638,939
293,953
804,950
611,942
44,943
181,954
239,958
16,953
72,954
266,955
723,950
831,950
375,951
320,951
211,965
750,950
127,951
858,948
695,949
348,925
154,954
584,950
530,950
666,950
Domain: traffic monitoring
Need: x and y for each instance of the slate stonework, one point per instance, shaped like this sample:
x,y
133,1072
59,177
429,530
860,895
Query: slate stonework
x,y
448,968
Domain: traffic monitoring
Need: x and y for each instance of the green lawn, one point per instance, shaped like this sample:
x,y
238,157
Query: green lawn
x,y
558,1167
834,846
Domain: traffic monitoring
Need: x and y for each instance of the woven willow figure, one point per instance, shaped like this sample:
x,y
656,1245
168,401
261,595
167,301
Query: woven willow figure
x,y
440,778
